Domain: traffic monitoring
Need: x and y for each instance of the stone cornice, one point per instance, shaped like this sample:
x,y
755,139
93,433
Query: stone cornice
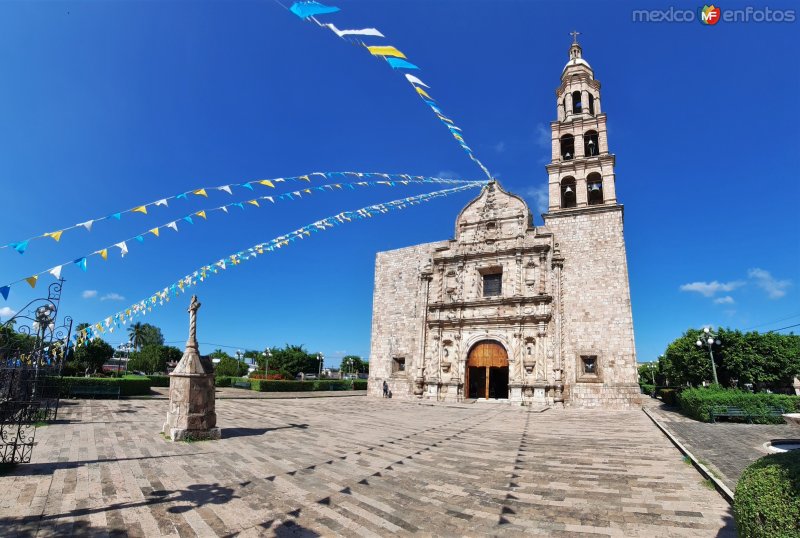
x,y
581,163
441,257
513,321
479,303
600,208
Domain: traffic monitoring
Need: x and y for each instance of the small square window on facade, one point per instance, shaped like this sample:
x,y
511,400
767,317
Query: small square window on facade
x,y
589,363
492,284
398,365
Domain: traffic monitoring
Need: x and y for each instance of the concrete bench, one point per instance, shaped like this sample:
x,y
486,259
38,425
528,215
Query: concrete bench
x,y
241,384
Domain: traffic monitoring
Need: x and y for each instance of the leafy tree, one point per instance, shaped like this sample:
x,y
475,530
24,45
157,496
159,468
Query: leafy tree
x,y
354,363
151,359
136,334
768,360
647,373
145,334
171,353
292,359
228,366
91,357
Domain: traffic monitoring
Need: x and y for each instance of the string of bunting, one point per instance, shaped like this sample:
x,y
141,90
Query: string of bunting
x,y
163,296
396,60
22,246
82,262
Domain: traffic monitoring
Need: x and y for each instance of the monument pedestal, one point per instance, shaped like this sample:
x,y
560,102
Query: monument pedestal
x,y
192,410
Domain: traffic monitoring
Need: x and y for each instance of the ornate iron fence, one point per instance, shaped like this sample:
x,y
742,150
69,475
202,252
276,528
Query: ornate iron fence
x,y
33,348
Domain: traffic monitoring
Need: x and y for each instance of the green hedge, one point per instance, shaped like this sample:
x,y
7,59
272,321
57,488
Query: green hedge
x,y
668,396
698,403
228,381
269,385
129,385
158,380
767,499
360,384
647,388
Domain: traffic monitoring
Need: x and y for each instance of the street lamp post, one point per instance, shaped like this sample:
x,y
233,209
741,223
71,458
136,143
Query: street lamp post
x,y
320,357
709,339
267,355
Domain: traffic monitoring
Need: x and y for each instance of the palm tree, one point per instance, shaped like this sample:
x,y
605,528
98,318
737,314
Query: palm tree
x,y
137,333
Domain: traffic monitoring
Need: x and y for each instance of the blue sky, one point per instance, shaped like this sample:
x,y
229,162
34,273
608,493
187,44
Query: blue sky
x,y
105,105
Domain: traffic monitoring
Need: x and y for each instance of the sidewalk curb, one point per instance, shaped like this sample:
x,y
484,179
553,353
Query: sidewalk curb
x,y
721,488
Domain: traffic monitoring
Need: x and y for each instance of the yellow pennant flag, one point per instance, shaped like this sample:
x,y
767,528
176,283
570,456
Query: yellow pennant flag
x,y
104,253
304,178
31,280
337,185
154,231
423,93
201,214
200,192
253,202
55,235
267,182
386,51
141,209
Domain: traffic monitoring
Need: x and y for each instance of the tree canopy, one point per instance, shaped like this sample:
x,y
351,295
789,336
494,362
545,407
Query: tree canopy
x,y
354,364
292,359
92,356
767,360
153,358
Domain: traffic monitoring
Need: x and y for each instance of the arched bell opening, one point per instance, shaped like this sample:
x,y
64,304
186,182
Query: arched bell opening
x,y
594,188
487,371
567,147
576,102
568,194
591,145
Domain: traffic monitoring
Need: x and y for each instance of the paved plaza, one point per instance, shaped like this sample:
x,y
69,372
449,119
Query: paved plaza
x,y
357,467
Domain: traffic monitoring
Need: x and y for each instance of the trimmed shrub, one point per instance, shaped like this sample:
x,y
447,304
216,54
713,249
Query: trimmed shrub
x,y
333,384
360,384
767,499
668,396
698,403
158,380
264,385
275,376
128,386
647,388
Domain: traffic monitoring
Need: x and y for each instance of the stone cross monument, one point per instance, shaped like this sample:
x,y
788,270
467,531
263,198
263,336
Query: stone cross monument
x,y
191,413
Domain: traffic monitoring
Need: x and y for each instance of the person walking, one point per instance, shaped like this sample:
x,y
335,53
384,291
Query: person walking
x,y
385,389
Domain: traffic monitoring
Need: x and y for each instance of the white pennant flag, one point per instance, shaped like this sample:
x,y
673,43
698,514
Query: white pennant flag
x,y
56,272
173,225
362,31
414,80
224,208
270,198
123,248
162,202
87,225
226,188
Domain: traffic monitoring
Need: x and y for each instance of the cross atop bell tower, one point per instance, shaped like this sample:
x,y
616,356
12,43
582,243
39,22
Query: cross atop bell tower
x,y
581,171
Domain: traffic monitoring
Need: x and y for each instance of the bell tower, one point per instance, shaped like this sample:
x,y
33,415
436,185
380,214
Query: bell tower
x,y
581,170
594,324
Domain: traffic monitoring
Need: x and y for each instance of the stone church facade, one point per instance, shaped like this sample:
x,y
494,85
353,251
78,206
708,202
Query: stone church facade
x,y
510,311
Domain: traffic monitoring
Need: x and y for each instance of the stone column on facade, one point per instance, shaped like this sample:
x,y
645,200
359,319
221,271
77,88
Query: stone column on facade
x,y
518,284
585,102
419,379
191,414
560,108
597,105
568,110
558,336
542,272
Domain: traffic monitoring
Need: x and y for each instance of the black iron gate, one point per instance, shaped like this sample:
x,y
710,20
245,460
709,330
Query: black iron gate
x,y
33,347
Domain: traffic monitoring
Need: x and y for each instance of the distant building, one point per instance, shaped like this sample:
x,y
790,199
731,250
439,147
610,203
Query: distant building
x,y
510,311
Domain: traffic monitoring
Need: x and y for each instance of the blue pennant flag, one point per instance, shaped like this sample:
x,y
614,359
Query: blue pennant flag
x,y
117,216
399,63
247,185
188,219
140,239
4,291
181,196
305,10
20,247
240,204
81,262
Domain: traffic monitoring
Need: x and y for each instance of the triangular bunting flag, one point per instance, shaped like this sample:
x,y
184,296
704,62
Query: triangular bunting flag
x,y
304,178
188,219
31,280
55,235
173,225
270,198
141,209
56,272
20,247
103,253
200,192
4,291
154,231
224,208
226,188
140,239
253,202
117,216
87,225
247,186
163,202
201,214
267,182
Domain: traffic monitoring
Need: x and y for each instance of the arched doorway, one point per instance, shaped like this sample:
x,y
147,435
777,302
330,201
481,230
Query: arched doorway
x,y
487,371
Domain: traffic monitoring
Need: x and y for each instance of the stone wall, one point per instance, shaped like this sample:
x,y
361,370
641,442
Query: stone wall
x,y
398,309
596,306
